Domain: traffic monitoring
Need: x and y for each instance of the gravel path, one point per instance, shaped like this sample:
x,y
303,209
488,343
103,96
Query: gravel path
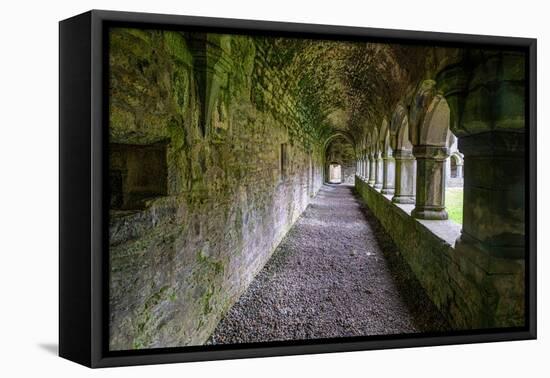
x,y
335,274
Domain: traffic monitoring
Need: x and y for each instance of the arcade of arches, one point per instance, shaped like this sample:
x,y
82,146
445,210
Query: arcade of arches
x,y
220,143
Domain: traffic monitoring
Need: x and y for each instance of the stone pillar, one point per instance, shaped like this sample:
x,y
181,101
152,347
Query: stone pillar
x,y
459,171
405,172
379,171
372,169
493,229
388,184
359,167
494,193
366,166
430,182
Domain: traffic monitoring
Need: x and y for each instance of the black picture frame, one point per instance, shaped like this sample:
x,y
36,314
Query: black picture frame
x,y
83,235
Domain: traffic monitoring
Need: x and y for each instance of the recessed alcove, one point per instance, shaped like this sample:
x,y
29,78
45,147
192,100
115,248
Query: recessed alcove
x,y
137,173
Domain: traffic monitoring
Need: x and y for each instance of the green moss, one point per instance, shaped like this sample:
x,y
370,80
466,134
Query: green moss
x,y
207,261
145,328
176,45
207,308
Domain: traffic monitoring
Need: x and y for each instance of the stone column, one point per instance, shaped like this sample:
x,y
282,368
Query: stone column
x,y
366,167
405,172
493,229
494,193
358,167
388,184
379,171
459,171
372,169
430,182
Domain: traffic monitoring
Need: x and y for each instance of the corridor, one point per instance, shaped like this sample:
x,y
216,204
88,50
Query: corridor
x,y
335,274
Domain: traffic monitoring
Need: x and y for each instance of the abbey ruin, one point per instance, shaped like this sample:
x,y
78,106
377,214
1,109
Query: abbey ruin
x,y
219,142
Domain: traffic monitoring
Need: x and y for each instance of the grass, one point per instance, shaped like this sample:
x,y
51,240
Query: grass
x,y
453,204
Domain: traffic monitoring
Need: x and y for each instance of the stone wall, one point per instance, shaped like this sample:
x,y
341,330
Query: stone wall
x,y
181,256
472,290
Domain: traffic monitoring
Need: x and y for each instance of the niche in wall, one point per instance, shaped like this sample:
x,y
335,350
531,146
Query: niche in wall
x,y
137,173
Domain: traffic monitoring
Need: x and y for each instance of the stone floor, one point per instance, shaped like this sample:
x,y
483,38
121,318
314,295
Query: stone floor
x,y
336,274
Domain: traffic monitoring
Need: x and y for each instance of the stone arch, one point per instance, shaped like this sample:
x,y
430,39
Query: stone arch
x,y
429,121
405,164
402,141
378,162
343,134
335,172
400,134
372,148
458,158
374,140
388,162
362,157
340,149
384,138
429,117
456,164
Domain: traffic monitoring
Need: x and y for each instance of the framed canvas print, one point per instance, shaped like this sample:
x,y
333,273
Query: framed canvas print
x,y
234,188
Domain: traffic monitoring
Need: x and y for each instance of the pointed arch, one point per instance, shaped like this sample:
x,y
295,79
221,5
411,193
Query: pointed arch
x,y
342,134
429,116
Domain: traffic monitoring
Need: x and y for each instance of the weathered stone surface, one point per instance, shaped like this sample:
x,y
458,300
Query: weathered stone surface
x,y
471,288
379,178
494,190
388,185
405,174
185,255
313,288
247,128
430,182
372,169
340,151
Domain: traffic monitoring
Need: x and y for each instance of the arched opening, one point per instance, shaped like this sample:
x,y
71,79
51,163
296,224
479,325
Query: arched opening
x,y
335,173
429,134
340,161
454,193
454,160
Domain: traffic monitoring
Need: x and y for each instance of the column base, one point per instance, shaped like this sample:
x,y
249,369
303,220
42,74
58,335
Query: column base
x,y
430,214
409,200
371,182
377,186
499,283
511,246
388,191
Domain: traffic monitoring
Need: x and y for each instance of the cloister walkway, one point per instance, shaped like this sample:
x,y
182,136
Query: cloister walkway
x,y
335,274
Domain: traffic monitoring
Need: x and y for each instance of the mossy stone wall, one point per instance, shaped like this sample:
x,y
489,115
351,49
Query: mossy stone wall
x,y
180,262
472,289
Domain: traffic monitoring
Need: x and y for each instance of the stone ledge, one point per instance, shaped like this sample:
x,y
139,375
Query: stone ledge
x,y
466,295
446,230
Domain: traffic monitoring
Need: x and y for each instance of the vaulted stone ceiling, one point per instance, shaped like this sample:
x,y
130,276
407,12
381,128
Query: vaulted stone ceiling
x,y
350,87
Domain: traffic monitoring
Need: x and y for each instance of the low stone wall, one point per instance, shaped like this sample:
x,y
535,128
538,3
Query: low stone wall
x,y
471,289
